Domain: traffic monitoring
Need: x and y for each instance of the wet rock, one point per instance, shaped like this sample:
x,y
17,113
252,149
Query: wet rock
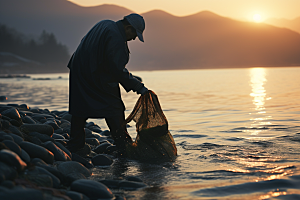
x,y
38,161
72,167
105,133
66,135
39,170
35,151
8,184
7,172
12,159
84,162
67,117
65,124
13,146
40,128
111,149
112,184
42,180
17,139
101,148
8,137
39,117
131,185
42,137
12,113
76,195
15,123
52,123
92,189
95,129
55,172
15,131
3,146
22,193
24,156
59,131
57,136
101,160
63,148
92,141
73,177
88,133
28,120
59,155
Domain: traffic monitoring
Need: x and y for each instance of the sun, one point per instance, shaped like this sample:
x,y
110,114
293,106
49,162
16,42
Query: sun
x,y
257,18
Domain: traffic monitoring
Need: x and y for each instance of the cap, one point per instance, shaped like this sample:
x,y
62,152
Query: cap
x,y
138,23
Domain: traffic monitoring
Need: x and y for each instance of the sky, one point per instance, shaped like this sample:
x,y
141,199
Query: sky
x,y
237,9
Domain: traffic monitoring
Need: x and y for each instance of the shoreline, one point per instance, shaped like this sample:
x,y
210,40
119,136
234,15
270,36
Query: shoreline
x,y
34,161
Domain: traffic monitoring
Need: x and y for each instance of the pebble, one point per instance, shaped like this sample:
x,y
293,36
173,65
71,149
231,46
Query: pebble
x,y
22,193
40,128
59,155
72,166
36,151
101,160
92,189
12,159
101,148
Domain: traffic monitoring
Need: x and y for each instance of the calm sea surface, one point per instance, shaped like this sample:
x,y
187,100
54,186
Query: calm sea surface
x,y
237,131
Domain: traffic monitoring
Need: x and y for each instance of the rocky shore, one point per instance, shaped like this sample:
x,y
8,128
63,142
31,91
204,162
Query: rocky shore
x,y
35,164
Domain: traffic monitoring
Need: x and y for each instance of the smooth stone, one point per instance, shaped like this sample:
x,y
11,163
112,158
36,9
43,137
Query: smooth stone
x,y
8,137
13,146
12,113
35,110
12,159
24,156
35,151
69,167
65,124
73,177
52,123
92,141
8,184
38,161
113,184
62,147
15,131
101,160
55,172
101,148
95,129
66,135
88,124
84,162
3,146
131,185
40,170
42,180
28,120
39,117
133,178
59,131
76,195
7,172
15,123
111,149
42,137
92,189
105,133
67,117
40,128
88,133
64,142
59,155
22,193
34,140
17,139
58,136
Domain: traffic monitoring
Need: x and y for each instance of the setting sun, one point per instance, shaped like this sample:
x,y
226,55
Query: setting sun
x,y
257,18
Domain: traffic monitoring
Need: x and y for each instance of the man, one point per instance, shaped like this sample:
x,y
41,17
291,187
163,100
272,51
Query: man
x,y
96,69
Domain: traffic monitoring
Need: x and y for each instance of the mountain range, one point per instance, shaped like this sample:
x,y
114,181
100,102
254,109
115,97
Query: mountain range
x,y
201,40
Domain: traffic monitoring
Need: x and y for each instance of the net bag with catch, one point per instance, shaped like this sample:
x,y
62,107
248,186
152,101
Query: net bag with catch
x,y
153,141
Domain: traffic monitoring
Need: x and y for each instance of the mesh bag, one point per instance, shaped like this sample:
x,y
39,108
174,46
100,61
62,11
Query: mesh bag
x,y
153,140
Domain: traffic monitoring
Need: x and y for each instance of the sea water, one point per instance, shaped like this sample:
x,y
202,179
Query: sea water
x,y
237,131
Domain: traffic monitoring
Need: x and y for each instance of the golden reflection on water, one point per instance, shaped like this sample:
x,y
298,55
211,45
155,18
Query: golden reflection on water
x,y
257,82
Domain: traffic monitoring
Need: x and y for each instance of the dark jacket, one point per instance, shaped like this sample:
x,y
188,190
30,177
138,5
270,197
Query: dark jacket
x,y
96,69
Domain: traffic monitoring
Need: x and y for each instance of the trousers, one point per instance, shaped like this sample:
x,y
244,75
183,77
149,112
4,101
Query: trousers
x,y
116,126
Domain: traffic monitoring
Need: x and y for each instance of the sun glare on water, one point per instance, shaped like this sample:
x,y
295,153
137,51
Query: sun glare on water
x,y
257,18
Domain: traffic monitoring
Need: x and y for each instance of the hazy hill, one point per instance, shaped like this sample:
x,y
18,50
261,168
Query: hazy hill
x,y
202,40
290,24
